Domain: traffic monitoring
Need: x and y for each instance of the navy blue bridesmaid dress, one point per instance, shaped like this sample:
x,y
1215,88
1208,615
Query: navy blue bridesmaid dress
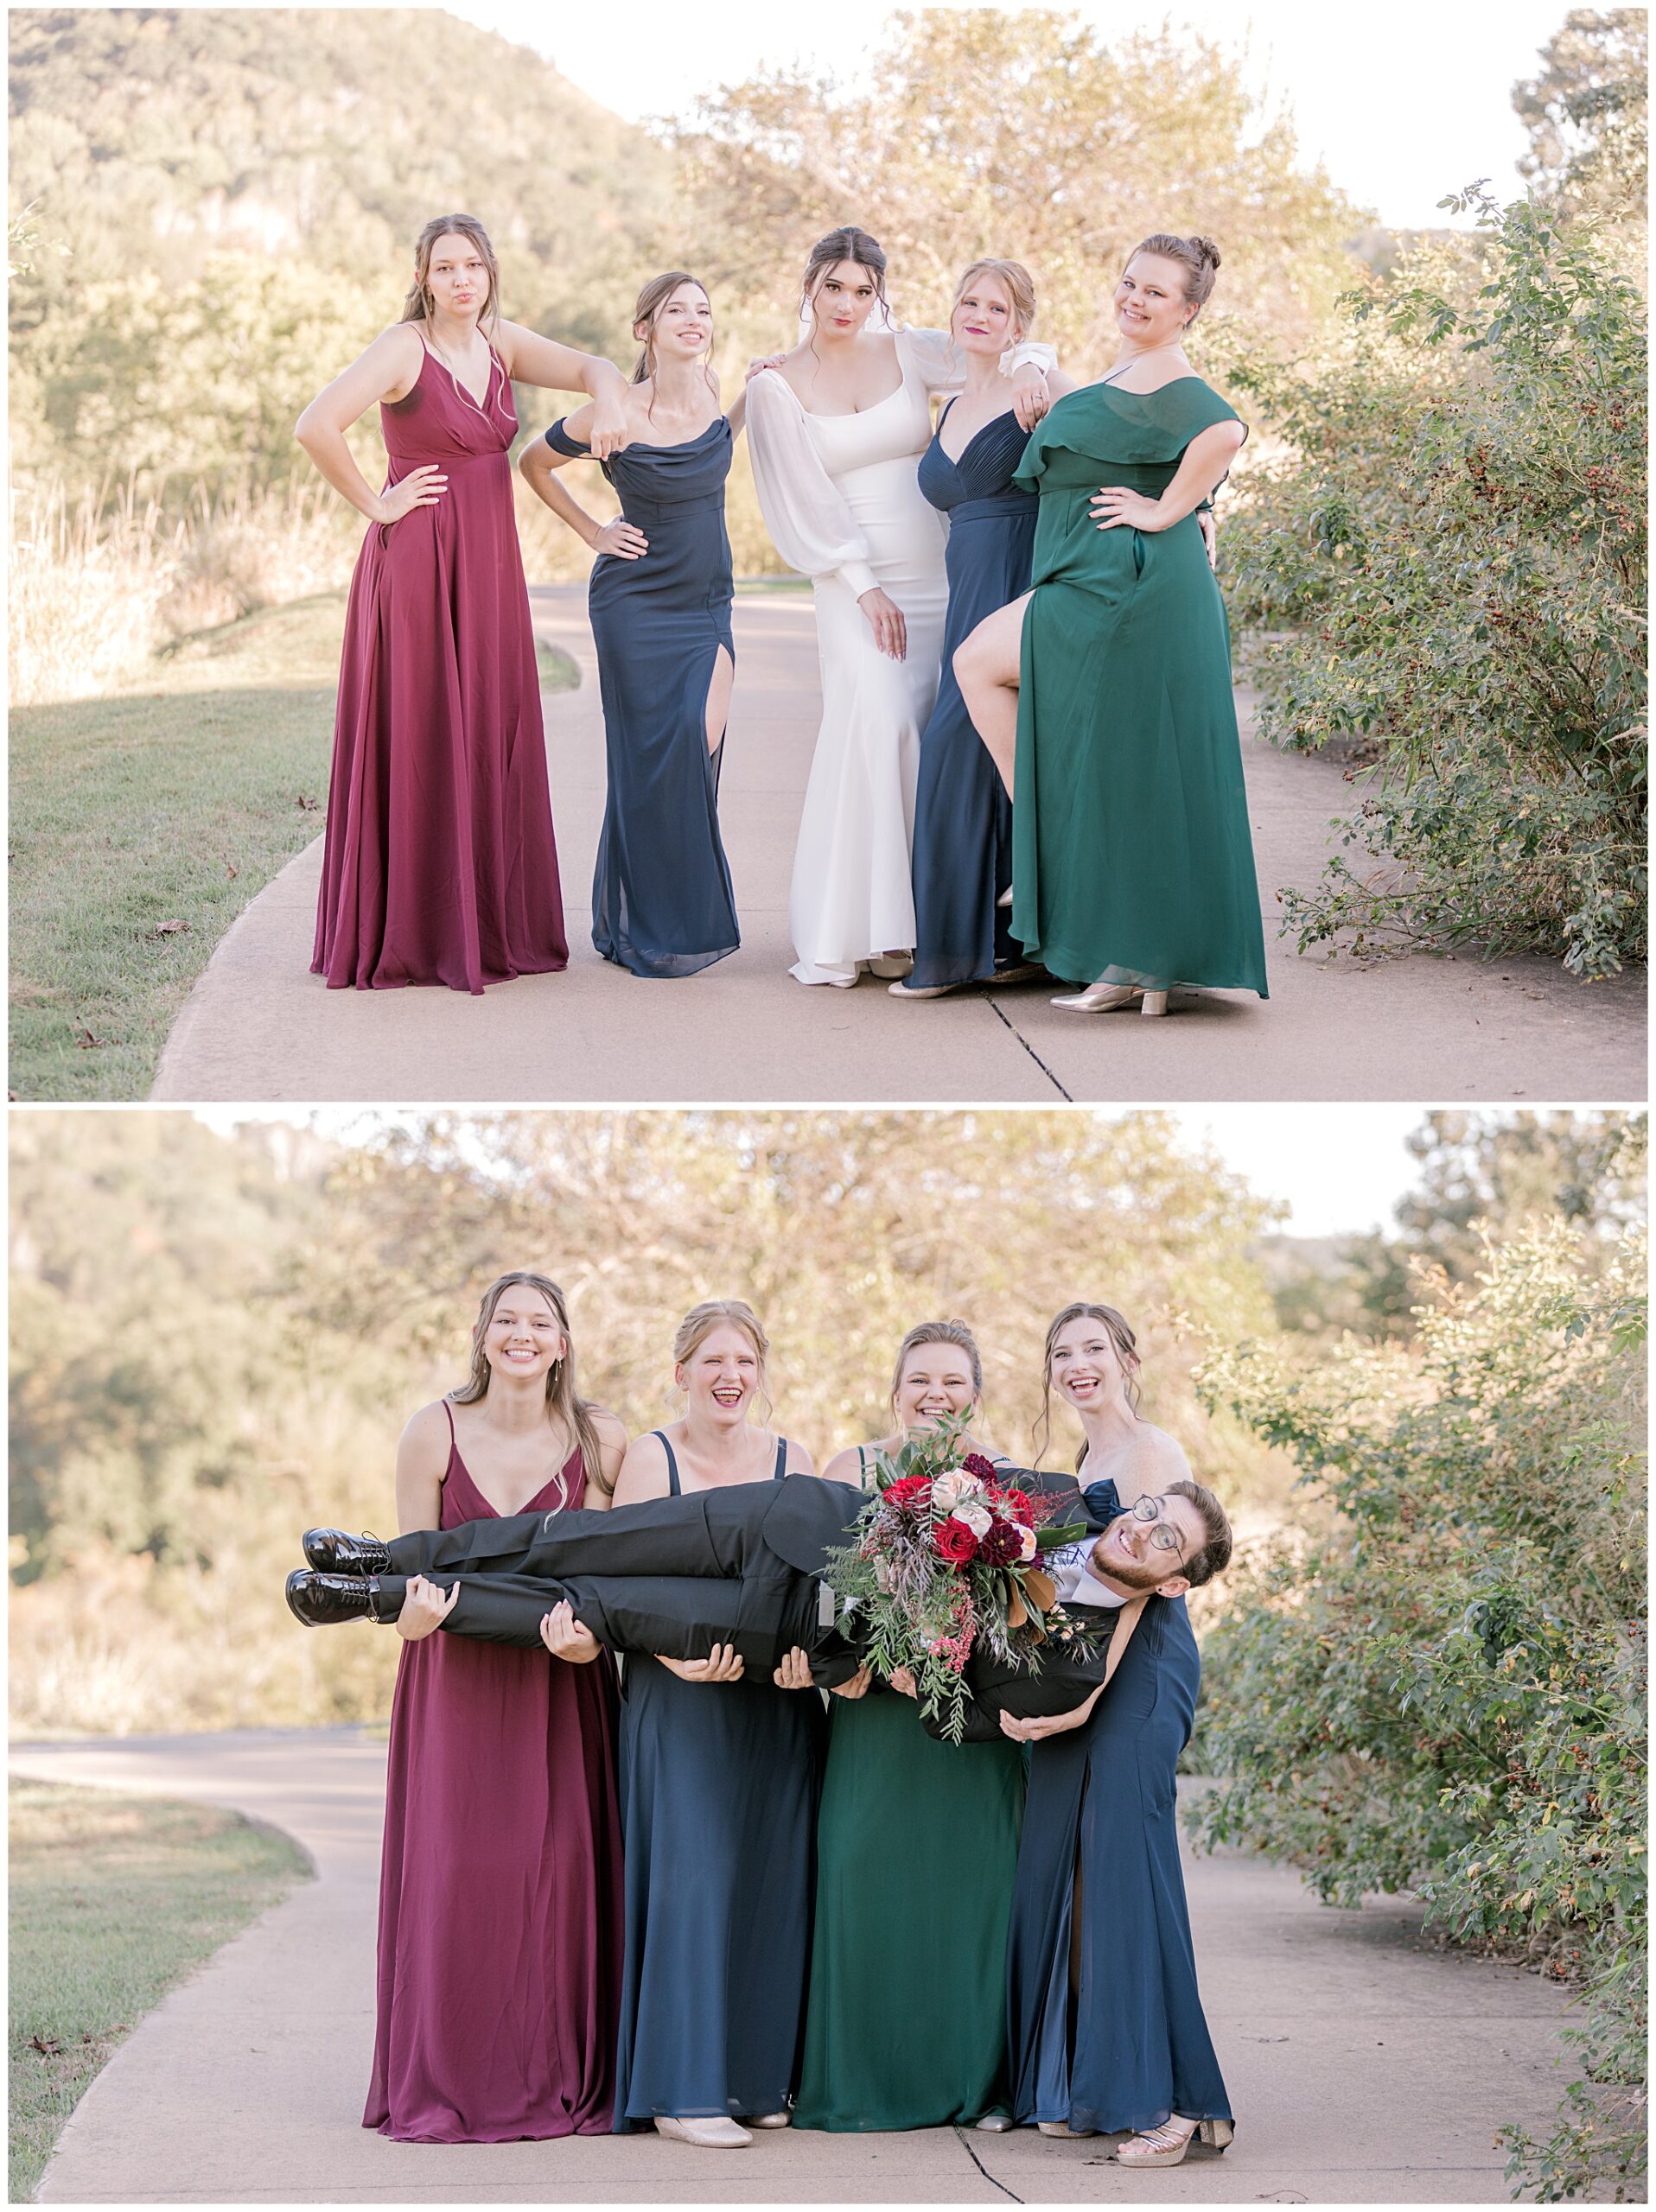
x,y
1135,2048
719,1785
963,819
661,898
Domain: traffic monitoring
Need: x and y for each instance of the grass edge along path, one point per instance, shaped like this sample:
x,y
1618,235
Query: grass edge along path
x,y
113,1899
144,821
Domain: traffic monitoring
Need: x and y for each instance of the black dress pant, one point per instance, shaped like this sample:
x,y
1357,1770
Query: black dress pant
x,y
710,1532
674,1616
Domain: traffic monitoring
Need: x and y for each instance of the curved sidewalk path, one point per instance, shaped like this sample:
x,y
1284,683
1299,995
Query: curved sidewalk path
x,y
259,1027
1367,2067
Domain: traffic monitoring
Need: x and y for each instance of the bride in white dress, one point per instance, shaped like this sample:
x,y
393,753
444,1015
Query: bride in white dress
x,y
835,450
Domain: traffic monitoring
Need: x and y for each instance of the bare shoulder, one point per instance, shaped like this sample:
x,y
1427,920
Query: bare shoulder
x,y
798,1460
430,1426
643,1470
845,1466
610,1428
1157,1458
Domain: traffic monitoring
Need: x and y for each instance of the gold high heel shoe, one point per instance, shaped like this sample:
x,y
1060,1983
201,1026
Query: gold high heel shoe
x,y
1104,998
1167,2145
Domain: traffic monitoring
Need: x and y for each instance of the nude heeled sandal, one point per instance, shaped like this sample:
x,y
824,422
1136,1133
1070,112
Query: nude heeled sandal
x,y
1166,2145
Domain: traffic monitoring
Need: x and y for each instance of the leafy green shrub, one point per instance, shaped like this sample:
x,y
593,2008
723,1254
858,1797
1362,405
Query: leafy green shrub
x,y
1440,1687
1447,565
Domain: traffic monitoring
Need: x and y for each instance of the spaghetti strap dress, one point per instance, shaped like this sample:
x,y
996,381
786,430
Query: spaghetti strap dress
x,y
1134,2048
963,819
1133,860
719,1790
906,2023
439,863
661,899
499,1979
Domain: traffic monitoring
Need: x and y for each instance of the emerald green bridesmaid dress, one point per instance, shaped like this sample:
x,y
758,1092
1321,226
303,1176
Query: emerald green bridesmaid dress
x,y
1131,857
917,1848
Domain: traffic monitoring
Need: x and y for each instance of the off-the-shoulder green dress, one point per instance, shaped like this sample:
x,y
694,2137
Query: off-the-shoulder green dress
x,y
1132,856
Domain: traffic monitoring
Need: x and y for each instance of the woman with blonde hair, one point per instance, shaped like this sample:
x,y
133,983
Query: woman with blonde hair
x,y
906,2023
499,1898
659,602
963,819
440,865
1103,693
719,1783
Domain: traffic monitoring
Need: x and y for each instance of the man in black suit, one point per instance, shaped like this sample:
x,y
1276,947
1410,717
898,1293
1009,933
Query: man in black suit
x,y
740,1565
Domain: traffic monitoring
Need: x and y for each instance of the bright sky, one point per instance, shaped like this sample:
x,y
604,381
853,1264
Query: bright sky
x,y
1403,104
1342,1169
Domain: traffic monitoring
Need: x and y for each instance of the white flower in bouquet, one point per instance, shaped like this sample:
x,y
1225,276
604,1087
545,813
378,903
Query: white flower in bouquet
x,y
977,1518
948,1490
1027,1545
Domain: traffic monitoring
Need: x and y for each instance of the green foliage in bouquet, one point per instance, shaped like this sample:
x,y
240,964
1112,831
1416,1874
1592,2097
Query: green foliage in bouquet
x,y
1447,570
947,1557
1441,1686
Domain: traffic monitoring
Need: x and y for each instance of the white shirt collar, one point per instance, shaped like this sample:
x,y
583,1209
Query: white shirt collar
x,y
1074,1580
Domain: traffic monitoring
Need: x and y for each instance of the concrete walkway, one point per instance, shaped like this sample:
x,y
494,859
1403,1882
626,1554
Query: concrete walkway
x,y
1365,2066
259,1027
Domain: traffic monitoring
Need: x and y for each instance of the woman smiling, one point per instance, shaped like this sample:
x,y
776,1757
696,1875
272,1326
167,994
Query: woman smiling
x,y
1105,693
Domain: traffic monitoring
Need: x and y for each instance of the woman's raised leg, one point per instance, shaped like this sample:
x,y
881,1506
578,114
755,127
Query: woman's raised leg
x,y
986,669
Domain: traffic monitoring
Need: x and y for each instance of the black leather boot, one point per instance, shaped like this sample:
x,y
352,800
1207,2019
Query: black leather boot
x,y
332,1551
323,1600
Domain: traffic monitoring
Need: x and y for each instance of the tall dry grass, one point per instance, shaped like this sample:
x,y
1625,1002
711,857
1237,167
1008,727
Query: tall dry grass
x,y
101,583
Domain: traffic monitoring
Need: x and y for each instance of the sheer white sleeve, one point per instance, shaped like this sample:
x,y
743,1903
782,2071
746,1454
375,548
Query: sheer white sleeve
x,y
935,358
810,523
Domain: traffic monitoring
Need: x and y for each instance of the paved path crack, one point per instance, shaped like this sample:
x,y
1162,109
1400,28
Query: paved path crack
x,y
971,2153
996,1009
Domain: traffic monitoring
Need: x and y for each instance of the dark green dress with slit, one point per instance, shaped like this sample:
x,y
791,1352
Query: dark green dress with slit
x,y
1132,856
917,1847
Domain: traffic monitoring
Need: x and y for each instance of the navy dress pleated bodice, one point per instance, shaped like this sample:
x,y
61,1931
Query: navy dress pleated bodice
x,y
661,899
719,1787
963,819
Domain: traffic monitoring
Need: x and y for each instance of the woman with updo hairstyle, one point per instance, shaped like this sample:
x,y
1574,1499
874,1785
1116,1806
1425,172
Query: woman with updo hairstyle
x,y
836,427
498,1981
1103,693
719,1785
906,2023
660,602
1107,2030
439,865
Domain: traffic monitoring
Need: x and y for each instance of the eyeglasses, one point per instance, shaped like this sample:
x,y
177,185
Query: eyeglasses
x,y
1163,1535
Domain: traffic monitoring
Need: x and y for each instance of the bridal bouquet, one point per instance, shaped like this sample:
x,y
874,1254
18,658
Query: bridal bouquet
x,y
947,1557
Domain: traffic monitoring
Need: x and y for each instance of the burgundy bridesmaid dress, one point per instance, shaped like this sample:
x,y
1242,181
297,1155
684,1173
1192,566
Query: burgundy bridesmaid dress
x,y
500,1885
440,865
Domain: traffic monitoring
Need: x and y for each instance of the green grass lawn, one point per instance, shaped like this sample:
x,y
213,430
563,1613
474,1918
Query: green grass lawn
x,y
143,824
113,1899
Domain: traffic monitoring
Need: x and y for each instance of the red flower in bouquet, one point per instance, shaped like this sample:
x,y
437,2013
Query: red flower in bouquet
x,y
913,1491
956,1543
974,1464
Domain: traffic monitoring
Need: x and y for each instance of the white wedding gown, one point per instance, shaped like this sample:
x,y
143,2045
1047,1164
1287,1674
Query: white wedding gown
x,y
842,501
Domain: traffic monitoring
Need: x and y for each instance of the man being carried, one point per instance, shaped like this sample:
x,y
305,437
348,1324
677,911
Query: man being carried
x,y
742,1567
